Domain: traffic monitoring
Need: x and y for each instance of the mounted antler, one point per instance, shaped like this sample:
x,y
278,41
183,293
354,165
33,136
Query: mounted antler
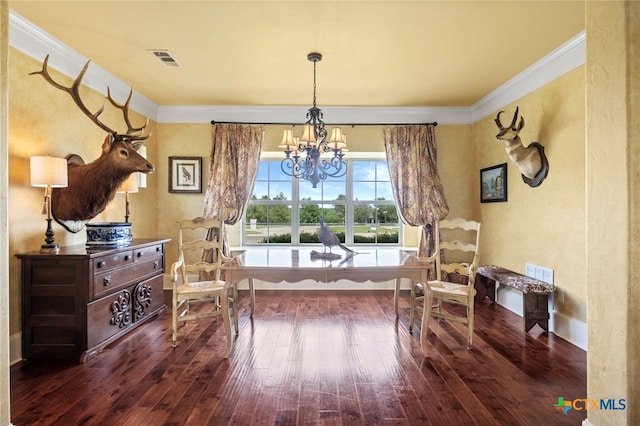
x,y
531,160
92,186
125,112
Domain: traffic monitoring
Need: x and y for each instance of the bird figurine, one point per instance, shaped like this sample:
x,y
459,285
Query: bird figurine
x,y
330,239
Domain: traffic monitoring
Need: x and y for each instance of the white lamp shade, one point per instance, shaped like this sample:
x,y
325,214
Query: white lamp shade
x,y
337,139
48,171
308,135
130,184
287,140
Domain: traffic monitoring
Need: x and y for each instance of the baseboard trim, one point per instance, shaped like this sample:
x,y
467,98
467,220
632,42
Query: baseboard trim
x,y
15,348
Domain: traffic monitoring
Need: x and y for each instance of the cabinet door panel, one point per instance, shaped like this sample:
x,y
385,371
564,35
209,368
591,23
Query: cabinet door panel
x,y
114,314
148,296
109,316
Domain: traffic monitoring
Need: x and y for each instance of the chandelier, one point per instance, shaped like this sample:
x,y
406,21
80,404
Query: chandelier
x,y
303,154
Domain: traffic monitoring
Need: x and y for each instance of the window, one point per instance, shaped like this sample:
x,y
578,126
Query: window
x,y
359,207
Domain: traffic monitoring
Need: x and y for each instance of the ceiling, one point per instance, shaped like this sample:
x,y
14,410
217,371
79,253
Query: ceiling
x,y
375,53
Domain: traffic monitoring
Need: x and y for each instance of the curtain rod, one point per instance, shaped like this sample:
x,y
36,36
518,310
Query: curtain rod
x,y
435,123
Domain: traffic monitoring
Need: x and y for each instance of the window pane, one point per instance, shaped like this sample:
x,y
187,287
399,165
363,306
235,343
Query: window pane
x,y
364,170
330,189
373,218
364,180
268,224
260,190
280,190
309,193
381,226
276,173
271,183
364,191
279,218
384,191
334,190
382,171
263,170
334,219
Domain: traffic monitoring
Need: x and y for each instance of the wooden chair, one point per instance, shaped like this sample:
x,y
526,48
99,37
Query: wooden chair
x,y
455,261
188,284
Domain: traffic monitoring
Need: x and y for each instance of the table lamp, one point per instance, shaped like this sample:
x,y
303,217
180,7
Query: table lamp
x,y
48,172
129,185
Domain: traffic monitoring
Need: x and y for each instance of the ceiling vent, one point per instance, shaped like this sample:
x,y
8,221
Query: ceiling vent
x,y
165,57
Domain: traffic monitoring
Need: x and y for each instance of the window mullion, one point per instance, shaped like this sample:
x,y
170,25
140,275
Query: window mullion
x,y
295,211
349,204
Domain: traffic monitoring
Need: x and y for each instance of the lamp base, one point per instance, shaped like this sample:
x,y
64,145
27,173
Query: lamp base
x,y
50,245
50,248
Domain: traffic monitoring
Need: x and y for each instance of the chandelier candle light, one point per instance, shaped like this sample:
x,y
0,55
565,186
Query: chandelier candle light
x,y
48,172
312,144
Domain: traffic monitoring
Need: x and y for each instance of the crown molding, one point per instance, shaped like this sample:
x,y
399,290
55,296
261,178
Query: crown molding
x,y
34,42
565,58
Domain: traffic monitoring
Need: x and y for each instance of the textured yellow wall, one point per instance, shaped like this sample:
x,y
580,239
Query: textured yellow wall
x,y
179,140
5,405
613,150
633,159
544,225
44,120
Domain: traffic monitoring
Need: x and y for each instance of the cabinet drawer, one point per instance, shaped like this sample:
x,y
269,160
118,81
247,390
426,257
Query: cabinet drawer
x,y
144,253
112,261
117,278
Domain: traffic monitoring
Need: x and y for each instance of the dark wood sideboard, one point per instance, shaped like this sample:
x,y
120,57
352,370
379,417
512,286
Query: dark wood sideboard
x,y
78,301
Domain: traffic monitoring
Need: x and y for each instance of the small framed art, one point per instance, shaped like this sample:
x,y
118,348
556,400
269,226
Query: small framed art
x,y
185,174
493,184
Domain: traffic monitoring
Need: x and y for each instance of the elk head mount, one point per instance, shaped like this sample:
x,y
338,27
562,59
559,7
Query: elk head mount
x,y
92,186
531,160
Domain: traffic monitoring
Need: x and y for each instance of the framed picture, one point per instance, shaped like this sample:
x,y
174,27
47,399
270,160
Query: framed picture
x,y
185,174
493,184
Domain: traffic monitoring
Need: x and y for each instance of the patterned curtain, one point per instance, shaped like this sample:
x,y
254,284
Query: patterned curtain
x,y
412,157
235,156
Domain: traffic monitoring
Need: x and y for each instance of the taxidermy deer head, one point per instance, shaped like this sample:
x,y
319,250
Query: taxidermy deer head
x,y
92,186
531,160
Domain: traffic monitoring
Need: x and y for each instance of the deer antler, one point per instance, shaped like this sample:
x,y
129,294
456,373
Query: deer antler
x,y
125,113
512,126
73,91
75,95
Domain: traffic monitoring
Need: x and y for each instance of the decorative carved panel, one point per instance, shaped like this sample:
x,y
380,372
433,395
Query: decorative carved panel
x,y
143,300
121,310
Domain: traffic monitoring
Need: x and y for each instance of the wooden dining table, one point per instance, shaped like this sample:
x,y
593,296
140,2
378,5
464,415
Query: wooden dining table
x,y
292,265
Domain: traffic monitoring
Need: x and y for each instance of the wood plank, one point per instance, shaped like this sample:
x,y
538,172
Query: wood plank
x,y
330,357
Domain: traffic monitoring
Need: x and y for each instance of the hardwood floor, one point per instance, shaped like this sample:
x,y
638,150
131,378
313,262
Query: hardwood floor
x,y
312,357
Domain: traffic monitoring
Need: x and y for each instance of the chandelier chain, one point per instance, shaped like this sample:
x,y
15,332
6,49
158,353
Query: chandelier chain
x,y
314,83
